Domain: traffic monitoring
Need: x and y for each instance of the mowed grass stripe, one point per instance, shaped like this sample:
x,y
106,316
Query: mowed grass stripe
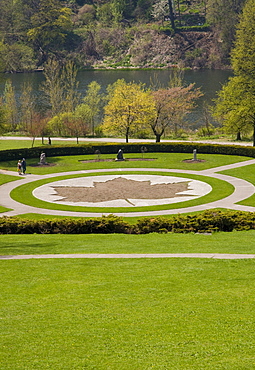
x,y
127,314
239,242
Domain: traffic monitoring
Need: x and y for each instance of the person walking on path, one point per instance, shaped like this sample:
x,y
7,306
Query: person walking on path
x,y
19,167
23,166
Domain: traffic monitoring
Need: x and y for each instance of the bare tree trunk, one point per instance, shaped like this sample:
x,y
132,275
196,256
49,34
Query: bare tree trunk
x,y
171,14
158,136
238,136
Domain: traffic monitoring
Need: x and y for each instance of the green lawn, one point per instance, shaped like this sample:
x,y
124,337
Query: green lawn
x,y
121,314
19,144
127,314
121,243
158,160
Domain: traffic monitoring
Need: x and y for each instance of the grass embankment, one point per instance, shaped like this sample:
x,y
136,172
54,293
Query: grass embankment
x,y
127,313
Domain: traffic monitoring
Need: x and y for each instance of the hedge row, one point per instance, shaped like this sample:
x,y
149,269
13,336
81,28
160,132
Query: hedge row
x,y
206,222
181,147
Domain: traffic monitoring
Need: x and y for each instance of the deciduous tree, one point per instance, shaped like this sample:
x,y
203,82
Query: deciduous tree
x,y
10,105
60,86
172,105
129,109
3,121
93,100
38,126
235,108
236,100
50,26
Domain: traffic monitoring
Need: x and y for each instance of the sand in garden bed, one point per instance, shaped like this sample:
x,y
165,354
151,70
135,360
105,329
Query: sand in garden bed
x,y
121,188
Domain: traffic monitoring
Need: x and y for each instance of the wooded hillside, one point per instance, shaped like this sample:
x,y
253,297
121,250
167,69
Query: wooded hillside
x,y
117,33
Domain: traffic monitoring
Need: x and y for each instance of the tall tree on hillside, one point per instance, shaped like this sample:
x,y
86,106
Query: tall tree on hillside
x,y
223,15
236,101
50,26
162,9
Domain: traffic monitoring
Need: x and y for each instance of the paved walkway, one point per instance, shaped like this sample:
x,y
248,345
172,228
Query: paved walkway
x,y
221,256
122,140
243,190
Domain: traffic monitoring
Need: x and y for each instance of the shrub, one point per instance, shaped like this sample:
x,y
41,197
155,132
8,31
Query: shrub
x,y
208,221
181,147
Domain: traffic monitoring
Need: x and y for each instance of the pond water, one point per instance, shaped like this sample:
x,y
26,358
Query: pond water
x,y
210,81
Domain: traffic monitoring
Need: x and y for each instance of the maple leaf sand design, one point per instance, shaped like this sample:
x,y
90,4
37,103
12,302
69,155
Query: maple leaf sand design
x,y
120,188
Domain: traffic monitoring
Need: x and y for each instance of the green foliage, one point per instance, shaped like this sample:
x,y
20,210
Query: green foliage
x,y
10,105
224,16
206,222
130,107
60,86
102,225
50,25
235,107
243,54
236,100
92,104
32,31
3,120
17,57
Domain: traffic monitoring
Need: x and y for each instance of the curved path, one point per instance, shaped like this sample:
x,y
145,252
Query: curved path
x,y
221,256
243,190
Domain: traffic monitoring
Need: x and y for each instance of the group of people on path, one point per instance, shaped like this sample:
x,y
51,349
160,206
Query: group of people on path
x,y
22,167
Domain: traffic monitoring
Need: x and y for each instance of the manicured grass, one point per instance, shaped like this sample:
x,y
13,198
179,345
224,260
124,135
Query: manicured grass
x,y
121,243
7,178
24,195
246,173
127,314
160,160
19,144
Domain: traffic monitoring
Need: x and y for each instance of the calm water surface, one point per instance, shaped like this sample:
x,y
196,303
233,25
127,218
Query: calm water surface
x,y
210,81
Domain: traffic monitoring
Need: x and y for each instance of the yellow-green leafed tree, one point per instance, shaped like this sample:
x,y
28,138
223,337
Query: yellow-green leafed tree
x,y
130,108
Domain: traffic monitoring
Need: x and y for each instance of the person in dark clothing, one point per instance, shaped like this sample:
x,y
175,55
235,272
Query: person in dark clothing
x,y
23,166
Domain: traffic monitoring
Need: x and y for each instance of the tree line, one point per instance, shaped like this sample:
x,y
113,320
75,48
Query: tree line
x,y
126,109
86,31
130,108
